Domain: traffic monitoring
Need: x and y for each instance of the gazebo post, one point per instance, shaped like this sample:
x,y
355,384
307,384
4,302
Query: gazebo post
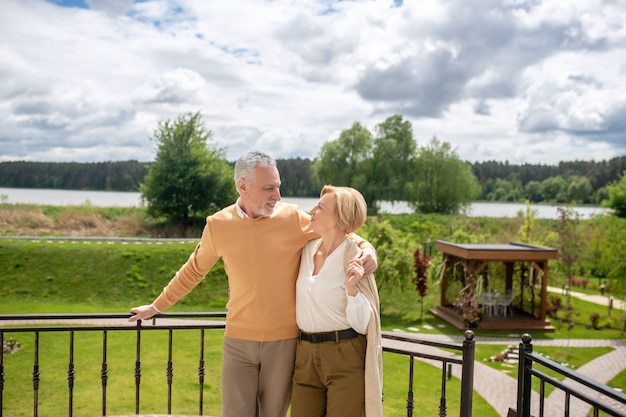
x,y
544,288
509,276
444,283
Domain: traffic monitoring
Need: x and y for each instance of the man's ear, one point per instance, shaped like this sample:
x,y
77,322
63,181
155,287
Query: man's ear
x,y
241,185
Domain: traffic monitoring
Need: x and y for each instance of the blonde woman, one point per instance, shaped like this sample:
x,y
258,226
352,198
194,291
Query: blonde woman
x,y
338,371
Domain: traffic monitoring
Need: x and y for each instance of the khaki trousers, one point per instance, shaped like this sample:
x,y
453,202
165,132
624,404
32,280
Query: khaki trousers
x,y
329,379
257,374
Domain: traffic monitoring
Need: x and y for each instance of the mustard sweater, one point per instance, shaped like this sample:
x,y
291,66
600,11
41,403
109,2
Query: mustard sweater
x,y
261,258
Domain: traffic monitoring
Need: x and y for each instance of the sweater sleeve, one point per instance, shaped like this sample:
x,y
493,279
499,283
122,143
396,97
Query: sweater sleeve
x,y
191,273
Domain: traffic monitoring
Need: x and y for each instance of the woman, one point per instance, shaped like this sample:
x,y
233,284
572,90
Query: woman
x,y
338,371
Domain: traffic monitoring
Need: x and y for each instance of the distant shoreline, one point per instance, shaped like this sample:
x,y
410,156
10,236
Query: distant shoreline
x,y
55,197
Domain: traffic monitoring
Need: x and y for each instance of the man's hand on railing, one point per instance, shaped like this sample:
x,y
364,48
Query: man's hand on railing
x,y
145,312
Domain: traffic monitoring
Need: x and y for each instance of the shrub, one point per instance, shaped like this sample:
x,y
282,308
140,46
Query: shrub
x,y
554,306
11,346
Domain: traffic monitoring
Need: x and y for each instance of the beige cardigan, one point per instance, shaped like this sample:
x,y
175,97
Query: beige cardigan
x,y
374,351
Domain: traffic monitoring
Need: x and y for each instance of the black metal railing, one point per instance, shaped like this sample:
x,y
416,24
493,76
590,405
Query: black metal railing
x,y
597,396
74,324
466,360
37,324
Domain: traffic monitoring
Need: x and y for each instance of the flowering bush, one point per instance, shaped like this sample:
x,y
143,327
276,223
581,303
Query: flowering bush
x,y
469,308
10,346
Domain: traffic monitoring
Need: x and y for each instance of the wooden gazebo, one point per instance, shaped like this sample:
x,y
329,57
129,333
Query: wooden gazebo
x,y
471,271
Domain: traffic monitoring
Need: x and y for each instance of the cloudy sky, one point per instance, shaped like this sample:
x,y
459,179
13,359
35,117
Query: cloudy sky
x,y
524,81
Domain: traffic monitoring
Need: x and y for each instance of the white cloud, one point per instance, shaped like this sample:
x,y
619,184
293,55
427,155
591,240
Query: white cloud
x,y
515,80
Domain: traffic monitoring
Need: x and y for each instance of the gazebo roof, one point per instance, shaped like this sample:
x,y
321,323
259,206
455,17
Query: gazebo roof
x,y
509,252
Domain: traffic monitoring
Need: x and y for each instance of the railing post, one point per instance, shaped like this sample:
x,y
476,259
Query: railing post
x,y
1,371
201,373
467,374
170,371
104,373
71,376
410,404
36,377
523,376
137,366
442,398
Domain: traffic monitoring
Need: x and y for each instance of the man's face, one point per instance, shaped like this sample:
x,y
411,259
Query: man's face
x,y
260,193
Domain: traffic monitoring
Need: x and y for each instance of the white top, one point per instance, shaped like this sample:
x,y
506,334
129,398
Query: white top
x,y
322,302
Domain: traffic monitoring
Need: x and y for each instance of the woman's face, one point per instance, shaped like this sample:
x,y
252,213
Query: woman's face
x,y
323,215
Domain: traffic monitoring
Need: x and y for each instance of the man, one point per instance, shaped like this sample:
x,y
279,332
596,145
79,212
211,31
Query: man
x,y
260,241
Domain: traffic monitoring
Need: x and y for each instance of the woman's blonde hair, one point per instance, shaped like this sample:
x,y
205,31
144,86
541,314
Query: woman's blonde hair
x,y
351,207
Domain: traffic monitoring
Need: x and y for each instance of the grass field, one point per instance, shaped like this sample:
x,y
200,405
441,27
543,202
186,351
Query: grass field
x,y
53,391
53,276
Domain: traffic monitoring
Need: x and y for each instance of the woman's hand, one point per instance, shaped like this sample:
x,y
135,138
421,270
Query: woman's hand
x,y
354,273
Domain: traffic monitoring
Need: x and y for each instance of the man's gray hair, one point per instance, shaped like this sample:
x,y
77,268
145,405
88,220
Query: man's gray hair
x,y
246,164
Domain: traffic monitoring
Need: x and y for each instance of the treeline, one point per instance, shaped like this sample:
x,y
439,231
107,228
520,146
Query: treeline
x,y
567,182
598,173
96,176
127,175
579,181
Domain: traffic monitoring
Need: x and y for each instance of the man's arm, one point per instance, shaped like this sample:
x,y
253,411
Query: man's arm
x,y
188,276
367,254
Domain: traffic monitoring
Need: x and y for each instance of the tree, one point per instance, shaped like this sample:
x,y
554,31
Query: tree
x,y
393,160
533,191
579,189
421,263
394,263
506,190
188,177
342,162
553,189
526,229
569,250
297,178
444,184
617,196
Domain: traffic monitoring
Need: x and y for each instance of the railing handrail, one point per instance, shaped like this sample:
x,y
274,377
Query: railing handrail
x,y
575,376
526,371
419,341
98,316
74,322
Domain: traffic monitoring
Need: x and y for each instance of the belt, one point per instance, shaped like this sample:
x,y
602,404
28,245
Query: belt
x,y
329,336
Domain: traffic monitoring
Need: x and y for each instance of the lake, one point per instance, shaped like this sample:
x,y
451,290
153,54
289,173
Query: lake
x,y
133,199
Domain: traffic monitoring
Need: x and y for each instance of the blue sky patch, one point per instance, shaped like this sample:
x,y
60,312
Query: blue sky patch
x,y
81,4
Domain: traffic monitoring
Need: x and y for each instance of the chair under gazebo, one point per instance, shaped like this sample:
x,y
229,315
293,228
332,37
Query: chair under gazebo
x,y
495,286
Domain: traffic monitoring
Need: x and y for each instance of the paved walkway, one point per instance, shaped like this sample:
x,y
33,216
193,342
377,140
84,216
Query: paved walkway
x,y
617,303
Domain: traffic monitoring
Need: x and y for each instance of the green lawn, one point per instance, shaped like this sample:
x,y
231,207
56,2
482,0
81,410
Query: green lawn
x,y
88,353
42,276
